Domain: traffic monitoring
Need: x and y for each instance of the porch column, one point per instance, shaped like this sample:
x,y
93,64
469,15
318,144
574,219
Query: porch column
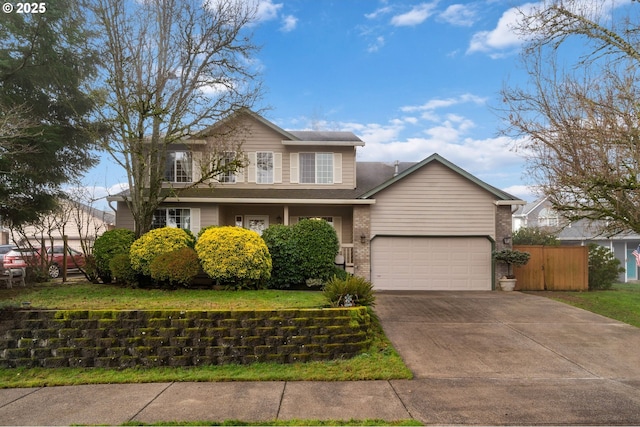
x,y
362,249
285,215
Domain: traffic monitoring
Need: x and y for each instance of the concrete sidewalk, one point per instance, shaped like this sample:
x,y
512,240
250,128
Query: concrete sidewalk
x,y
478,358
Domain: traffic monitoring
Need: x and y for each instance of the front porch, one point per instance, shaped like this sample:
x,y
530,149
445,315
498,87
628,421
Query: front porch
x,y
259,217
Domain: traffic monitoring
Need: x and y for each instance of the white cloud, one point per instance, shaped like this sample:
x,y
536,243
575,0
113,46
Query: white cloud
x,y
502,37
459,15
289,23
267,10
524,192
434,104
376,44
378,12
415,16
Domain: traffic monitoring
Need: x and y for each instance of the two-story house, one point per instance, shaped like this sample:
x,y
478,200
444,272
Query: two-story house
x,y
426,225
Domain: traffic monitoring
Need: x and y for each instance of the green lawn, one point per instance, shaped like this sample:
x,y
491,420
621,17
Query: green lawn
x,y
380,362
621,303
86,296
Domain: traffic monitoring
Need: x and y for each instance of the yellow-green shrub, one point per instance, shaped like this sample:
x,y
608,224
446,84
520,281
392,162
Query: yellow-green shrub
x,y
156,242
234,256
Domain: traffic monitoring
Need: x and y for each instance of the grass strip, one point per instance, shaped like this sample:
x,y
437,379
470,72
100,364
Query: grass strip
x,y
621,303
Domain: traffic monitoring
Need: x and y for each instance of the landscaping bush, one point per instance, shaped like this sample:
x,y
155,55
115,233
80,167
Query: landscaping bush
x,y
349,292
177,268
109,244
317,245
234,257
285,257
535,236
121,270
604,267
156,242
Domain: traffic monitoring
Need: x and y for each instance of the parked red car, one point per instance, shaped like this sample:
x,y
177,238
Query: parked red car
x,y
18,258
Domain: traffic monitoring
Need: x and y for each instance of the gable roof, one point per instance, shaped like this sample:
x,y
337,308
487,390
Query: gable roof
x,y
525,210
499,194
291,137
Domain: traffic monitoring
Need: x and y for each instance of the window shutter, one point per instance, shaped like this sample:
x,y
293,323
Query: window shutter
x,y
277,168
196,166
252,167
294,177
337,168
195,220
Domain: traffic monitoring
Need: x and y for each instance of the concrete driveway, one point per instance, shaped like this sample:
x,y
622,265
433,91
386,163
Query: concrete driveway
x,y
511,358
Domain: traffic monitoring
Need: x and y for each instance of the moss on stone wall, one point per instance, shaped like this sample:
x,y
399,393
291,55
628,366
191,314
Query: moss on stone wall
x,y
103,338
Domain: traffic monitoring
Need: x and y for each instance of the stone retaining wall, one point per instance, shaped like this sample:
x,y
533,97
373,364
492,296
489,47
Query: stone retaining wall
x,y
61,338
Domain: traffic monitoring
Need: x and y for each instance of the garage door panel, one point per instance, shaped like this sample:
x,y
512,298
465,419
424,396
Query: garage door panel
x,y
428,263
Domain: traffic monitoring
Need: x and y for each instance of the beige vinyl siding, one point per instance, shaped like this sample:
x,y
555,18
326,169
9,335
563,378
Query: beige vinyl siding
x,y
262,138
124,218
433,201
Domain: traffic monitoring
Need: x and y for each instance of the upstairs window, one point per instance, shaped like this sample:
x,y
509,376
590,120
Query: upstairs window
x,y
264,167
316,168
172,217
178,167
228,176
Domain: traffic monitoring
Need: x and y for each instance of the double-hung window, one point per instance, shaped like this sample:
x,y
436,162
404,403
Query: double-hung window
x,y
264,167
316,168
172,217
179,167
227,176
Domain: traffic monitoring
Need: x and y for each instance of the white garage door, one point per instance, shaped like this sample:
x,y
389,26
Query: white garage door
x,y
431,263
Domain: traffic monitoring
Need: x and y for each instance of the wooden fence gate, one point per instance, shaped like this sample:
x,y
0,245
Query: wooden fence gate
x,y
553,268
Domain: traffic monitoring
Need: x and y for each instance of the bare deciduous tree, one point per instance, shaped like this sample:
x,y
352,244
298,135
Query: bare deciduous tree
x,y
172,68
579,122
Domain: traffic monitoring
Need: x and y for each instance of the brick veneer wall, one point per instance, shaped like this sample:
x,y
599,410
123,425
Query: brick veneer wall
x,y
51,338
504,228
362,251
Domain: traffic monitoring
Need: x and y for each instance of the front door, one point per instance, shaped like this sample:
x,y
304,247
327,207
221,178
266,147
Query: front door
x,y
632,266
257,223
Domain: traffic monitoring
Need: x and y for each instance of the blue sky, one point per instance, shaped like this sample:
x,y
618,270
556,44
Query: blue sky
x,y
410,78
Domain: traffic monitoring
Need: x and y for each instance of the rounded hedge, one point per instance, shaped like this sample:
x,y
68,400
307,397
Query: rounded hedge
x,y
176,268
234,256
157,242
109,244
120,267
317,245
285,257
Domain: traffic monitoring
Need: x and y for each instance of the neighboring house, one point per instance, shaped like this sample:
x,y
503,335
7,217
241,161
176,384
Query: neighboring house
x,y
75,220
426,225
581,233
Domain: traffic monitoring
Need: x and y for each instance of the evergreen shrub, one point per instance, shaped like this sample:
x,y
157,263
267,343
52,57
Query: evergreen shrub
x,y
109,244
156,242
121,270
317,245
535,236
177,268
285,257
604,267
234,257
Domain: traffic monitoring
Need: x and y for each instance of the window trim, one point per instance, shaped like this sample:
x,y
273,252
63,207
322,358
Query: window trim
x,y
172,162
272,170
316,169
